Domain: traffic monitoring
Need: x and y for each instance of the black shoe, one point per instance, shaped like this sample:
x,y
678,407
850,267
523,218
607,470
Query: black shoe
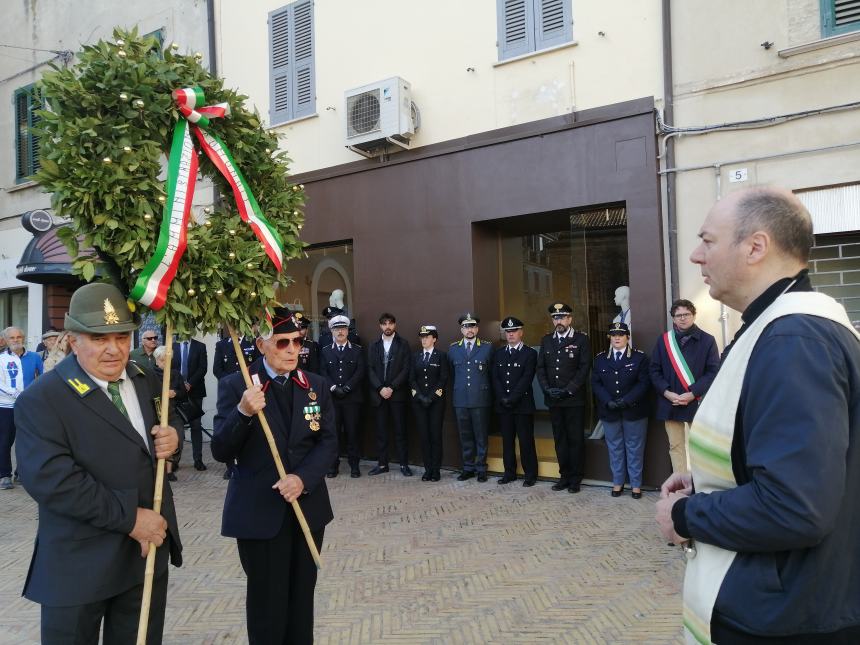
x,y
378,470
560,486
171,477
466,474
331,474
617,493
482,477
426,476
406,471
199,465
228,473
506,480
637,495
355,473
573,488
528,483
435,476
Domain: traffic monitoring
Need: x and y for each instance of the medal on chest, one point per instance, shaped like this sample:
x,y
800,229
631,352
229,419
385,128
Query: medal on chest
x,y
313,413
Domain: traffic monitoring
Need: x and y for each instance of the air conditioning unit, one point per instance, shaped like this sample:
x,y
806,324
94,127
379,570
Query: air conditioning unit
x,y
378,114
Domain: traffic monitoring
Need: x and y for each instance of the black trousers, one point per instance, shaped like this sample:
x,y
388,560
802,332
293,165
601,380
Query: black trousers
x,y
7,438
428,421
347,420
279,605
80,624
569,442
518,427
396,410
197,434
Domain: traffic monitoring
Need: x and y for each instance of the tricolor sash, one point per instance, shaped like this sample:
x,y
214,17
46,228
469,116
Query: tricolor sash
x,y
679,363
711,435
153,281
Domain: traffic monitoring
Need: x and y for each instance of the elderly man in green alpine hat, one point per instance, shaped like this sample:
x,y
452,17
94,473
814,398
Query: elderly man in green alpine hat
x,y
88,442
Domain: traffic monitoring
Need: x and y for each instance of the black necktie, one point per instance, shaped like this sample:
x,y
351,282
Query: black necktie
x,y
280,380
617,356
340,348
468,348
426,357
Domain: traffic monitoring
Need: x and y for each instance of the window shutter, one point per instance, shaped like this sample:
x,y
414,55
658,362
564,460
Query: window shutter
x,y
21,132
303,95
846,12
554,27
515,28
33,138
279,65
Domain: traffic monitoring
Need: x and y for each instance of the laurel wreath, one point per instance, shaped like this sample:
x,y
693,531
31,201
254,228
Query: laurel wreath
x,y
105,128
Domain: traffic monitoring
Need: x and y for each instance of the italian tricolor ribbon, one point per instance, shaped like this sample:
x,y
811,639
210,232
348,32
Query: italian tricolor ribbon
x,y
155,278
679,363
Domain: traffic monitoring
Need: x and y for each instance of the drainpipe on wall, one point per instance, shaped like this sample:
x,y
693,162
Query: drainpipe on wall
x,y
211,25
667,159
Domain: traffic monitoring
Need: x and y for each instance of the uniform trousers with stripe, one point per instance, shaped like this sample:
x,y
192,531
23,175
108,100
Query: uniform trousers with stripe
x,y
518,427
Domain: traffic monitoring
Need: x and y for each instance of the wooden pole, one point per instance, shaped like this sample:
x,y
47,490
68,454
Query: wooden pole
x,y
300,516
149,573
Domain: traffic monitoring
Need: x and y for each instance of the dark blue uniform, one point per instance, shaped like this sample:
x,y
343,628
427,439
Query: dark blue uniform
x,y
225,356
427,380
512,374
346,369
472,400
562,371
621,386
309,356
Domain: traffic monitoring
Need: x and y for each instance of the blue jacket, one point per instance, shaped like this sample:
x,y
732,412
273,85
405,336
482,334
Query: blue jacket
x,y
703,359
471,375
626,380
31,365
512,379
793,519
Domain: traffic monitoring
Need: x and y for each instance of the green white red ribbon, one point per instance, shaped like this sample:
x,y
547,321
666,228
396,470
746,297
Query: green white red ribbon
x,y
155,278
679,363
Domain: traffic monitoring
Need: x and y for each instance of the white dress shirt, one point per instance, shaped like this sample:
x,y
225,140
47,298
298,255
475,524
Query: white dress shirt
x,y
129,400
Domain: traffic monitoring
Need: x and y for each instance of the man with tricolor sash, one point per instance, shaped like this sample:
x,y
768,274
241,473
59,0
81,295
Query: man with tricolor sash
x,y
684,362
768,517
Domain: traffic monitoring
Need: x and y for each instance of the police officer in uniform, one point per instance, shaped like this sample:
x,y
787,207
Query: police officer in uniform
x,y
226,363
513,372
427,378
309,354
326,336
470,359
620,382
343,364
562,371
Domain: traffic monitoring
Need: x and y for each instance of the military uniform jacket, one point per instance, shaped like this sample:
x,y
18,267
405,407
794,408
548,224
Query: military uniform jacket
x,y
627,379
471,374
309,356
397,375
428,378
564,365
89,470
308,446
513,373
345,369
225,356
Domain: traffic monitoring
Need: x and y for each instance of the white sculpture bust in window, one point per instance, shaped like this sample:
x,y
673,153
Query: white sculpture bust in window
x,y
622,299
336,299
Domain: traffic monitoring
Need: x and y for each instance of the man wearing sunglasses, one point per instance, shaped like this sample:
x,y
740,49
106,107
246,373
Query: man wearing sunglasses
x,y
145,354
298,406
471,360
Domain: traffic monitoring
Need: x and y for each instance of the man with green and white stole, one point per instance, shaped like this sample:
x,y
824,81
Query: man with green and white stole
x,y
684,362
768,517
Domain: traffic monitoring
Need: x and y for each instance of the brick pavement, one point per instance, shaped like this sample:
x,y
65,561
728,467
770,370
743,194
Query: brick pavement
x,y
408,561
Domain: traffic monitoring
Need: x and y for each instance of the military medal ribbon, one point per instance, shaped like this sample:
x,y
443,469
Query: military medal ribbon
x,y
155,278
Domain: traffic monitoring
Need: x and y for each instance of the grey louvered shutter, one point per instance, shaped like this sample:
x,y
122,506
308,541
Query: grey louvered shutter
x,y
515,28
21,135
33,143
552,23
280,56
303,99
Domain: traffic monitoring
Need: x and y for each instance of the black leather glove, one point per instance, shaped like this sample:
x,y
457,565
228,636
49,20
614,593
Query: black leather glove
x,y
507,403
338,392
346,389
556,393
426,401
612,405
620,404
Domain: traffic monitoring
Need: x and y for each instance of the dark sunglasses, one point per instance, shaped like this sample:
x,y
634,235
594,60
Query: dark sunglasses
x,y
150,338
283,343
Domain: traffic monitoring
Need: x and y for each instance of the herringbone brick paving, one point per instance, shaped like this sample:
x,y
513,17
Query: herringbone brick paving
x,y
408,561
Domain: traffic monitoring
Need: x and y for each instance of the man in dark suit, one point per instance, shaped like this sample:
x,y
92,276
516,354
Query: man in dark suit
x,y
275,557
562,370
309,356
427,379
87,449
343,364
513,372
388,375
189,357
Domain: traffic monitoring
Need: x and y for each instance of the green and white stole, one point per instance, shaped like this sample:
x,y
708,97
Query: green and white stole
x,y
679,363
711,436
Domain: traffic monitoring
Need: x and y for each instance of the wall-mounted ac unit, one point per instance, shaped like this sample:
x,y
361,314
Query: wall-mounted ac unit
x,y
378,114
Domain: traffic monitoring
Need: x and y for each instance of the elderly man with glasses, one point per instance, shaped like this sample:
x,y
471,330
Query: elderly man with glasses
x,y
145,354
683,366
